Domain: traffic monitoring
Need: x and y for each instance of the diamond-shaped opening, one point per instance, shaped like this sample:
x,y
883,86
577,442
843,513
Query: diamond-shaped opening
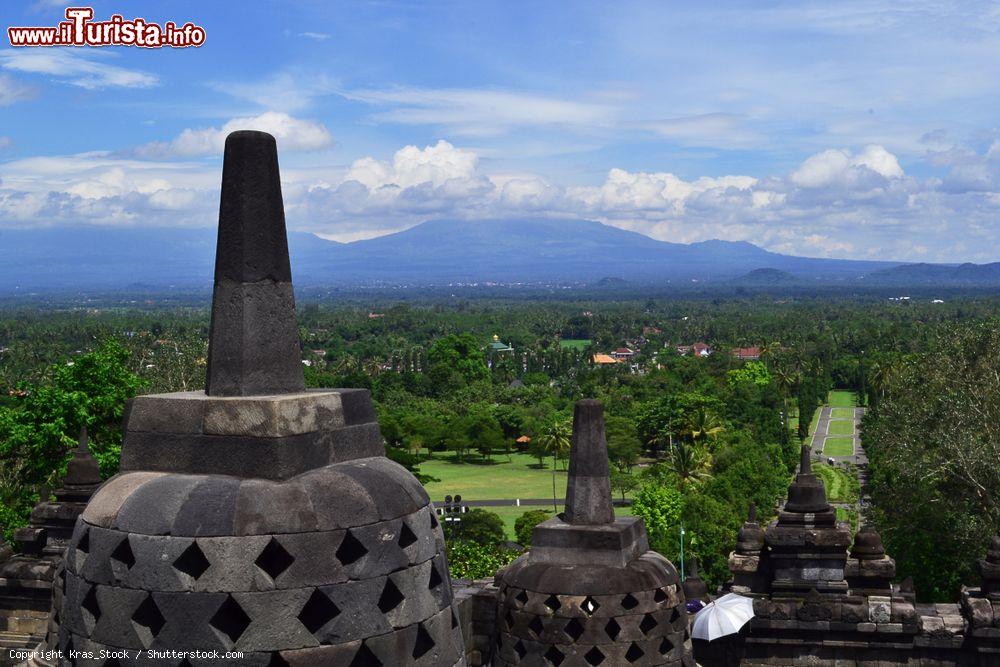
x,y
406,536
230,620
590,605
659,596
435,579
666,646
192,561
277,661
574,629
594,656
318,611
647,624
634,652
553,603
84,543
521,598
454,620
424,642
613,629
365,658
90,603
390,598
434,521
148,617
535,625
555,656
274,559
629,602
350,550
520,649
674,614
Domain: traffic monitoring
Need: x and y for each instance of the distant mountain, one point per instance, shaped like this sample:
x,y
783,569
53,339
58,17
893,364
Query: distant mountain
x,y
436,252
954,275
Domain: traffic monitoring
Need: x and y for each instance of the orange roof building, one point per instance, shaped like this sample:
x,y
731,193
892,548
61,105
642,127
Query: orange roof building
x,y
604,359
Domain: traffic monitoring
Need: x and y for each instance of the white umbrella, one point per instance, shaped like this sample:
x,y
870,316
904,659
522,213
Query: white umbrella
x,y
722,617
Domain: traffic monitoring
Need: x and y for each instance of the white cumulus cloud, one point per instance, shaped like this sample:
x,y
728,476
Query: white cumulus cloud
x,y
839,166
92,72
292,134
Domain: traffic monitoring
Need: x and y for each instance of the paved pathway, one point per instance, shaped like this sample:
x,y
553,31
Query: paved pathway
x,y
858,458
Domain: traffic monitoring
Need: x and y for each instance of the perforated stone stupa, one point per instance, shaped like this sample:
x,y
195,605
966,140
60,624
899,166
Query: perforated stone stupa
x,y
589,591
257,516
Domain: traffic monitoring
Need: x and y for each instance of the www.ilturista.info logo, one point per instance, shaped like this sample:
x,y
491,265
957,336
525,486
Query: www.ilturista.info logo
x,y
80,30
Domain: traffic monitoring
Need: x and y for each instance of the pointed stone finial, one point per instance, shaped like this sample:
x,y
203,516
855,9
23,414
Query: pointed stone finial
x,y
254,340
82,469
752,514
807,493
588,492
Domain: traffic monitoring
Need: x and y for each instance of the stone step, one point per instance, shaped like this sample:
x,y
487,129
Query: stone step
x,y
9,640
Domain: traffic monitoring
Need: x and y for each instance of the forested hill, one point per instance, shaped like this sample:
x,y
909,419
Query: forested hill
x,y
530,251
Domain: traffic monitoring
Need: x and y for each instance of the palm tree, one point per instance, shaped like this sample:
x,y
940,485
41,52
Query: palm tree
x,y
692,464
703,424
880,374
346,365
555,439
785,379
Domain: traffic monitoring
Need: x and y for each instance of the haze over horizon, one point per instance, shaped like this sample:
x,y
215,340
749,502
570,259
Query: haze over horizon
x,y
861,130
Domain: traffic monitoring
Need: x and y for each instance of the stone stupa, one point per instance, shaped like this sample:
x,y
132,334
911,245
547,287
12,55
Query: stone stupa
x,y
258,516
807,547
26,579
589,591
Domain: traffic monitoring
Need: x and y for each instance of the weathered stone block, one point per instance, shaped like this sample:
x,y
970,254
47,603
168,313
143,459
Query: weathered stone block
x,y
980,612
903,612
879,609
881,568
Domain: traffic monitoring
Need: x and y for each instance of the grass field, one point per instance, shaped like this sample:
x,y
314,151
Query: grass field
x,y
575,343
815,420
510,514
842,413
841,485
838,447
843,399
474,480
845,427
850,516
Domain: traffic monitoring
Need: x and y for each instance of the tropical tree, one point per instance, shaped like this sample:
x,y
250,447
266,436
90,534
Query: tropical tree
x,y
690,463
555,439
703,425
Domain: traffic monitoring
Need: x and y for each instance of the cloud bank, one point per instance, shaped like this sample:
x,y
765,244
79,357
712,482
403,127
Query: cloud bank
x,y
836,203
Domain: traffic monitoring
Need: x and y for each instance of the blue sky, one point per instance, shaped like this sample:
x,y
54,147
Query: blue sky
x,y
863,129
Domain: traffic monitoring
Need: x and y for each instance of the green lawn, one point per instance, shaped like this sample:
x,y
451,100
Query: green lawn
x,y
575,343
475,480
850,516
510,514
842,413
843,427
843,399
841,486
838,447
814,421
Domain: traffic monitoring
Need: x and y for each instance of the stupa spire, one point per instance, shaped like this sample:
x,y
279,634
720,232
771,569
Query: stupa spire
x,y
253,343
588,491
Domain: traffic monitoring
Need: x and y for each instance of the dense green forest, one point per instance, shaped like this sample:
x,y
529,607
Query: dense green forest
x,y
692,440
